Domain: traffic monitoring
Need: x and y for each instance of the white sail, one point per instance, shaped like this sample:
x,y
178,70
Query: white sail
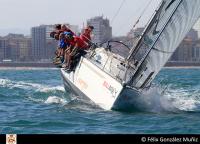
x,y
167,29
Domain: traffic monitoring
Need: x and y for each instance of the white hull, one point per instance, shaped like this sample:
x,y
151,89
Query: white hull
x,y
90,82
102,75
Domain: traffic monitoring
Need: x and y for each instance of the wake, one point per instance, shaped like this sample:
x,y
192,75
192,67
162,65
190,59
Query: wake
x,y
46,94
158,100
6,83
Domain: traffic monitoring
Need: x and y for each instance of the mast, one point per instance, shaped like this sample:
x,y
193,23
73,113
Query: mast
x,y
135,49
168,27
145,56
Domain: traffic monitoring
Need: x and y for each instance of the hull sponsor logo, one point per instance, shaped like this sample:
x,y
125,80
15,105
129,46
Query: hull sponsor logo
x,y
82,83
112,90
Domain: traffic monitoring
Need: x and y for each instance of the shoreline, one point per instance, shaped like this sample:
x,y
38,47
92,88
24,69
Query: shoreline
x,y
181,67
54,68
27,68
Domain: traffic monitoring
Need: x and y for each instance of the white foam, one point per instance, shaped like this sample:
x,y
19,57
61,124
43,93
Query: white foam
x,y
28,86
184,100
55,100
49,89
173,100
36,99
153,101
5,82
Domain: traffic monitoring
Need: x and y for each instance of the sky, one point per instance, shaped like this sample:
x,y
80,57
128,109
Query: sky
x,y
18,16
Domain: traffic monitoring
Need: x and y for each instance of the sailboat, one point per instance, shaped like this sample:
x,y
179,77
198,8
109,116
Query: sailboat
x,y
113,82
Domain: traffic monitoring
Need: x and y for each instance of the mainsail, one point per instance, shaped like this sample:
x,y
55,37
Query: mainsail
x,y
168,27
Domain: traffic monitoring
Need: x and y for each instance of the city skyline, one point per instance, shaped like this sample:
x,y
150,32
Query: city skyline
x,y
21,15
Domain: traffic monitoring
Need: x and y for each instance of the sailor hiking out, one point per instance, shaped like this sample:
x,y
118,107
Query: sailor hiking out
x,y
70,46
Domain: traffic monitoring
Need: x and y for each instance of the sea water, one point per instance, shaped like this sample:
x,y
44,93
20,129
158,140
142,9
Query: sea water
x,y
34,101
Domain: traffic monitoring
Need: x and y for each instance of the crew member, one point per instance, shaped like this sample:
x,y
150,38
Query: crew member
x,y
76,49
86,35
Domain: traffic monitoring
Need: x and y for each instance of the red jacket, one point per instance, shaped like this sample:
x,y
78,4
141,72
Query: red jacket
x,y
86,35
80,43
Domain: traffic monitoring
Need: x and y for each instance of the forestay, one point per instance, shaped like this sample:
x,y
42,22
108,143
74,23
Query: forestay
x,y
168,27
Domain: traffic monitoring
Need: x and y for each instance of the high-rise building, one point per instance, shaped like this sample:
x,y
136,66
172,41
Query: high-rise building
x,y
43,46
197,27
196,51
192,34
38,42
3,45
187,50
17,47
102,30
50,45
24,50
184,52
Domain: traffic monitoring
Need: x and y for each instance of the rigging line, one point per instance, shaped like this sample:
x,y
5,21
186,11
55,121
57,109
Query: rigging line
x,y
138,20
127,40
146,7
118,11
151,21
149,51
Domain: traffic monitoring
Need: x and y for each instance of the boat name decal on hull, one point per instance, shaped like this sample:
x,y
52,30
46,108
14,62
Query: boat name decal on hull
x,y
82,83
112,90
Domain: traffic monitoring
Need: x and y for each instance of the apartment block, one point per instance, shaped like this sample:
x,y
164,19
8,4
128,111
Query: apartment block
x,y
102,30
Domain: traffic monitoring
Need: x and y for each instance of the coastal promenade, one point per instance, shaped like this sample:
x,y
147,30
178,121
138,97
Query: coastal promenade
x,y
182,64
51,65
27,64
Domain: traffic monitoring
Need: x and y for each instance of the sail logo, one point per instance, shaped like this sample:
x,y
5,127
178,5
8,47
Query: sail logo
x,y
165,6
112,90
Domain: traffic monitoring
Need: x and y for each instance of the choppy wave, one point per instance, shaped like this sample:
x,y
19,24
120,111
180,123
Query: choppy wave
x,y
55,100
42,93
184,100
28,86
158,99
34,91
40,105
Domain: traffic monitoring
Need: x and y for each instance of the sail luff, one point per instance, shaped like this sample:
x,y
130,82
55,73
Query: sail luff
x,y
146,55
135,49
173,22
